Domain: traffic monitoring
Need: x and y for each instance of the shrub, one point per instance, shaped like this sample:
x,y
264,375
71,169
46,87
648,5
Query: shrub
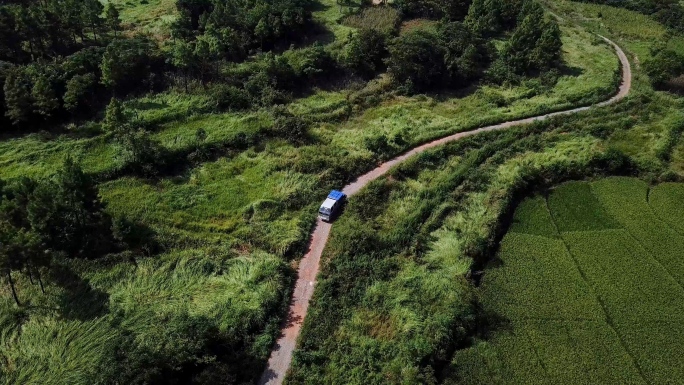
x,y
365,53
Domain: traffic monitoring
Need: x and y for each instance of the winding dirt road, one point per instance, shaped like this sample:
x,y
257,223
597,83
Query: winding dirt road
x,y
281,356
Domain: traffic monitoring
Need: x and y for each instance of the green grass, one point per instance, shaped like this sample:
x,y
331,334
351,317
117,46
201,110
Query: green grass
x,y
153,16
382,19
70,335
595,306
637,31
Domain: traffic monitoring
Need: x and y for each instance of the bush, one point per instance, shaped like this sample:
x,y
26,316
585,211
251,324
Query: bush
x,y
228,97
365,53
664,66
292,128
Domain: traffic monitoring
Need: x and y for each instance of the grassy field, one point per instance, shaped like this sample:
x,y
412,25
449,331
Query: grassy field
x,y
150,16
597,301
637,31
73,334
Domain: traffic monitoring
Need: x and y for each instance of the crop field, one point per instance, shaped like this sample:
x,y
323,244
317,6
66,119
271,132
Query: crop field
x,y
598,302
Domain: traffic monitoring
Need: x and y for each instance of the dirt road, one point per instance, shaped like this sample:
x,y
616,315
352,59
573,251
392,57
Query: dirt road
x,y
281,356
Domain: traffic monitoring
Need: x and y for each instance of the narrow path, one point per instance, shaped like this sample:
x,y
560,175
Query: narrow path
x,y
281,356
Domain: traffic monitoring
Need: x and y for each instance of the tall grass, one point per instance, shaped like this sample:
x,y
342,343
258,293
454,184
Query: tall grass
x,y
148,309
382,19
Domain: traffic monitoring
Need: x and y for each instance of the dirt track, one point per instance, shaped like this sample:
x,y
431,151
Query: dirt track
x,y
281,356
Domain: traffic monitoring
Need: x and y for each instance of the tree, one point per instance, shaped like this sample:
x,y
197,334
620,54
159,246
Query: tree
x,y
465,55
33,254
293,128
90,14
535,44
9,258
548,50
664,66
141,152
182,57
45,101
182,28
365,52
115,120
18,99
112,18
67,214
416,62
128,63
79,91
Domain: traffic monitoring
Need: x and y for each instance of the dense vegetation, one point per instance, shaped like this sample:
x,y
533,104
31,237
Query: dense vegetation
x,y
668,12
396,305
400,304
588,277
197,154
666,63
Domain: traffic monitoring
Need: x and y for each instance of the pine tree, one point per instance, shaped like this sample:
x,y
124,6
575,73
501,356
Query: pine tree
x,y
10,258
18,99
112,18
45,101
115,120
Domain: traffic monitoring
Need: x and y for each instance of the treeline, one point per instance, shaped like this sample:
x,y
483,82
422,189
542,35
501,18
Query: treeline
x,y
62,59
459,50
58,217
668,12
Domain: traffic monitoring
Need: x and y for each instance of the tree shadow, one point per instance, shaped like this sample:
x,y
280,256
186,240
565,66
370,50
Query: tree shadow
x,y
141,105
78,300
571,71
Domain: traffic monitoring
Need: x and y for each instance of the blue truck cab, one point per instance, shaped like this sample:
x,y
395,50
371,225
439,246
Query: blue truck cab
x,y
332,205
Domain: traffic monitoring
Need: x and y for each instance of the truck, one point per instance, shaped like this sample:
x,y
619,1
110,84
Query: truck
x,y
332,205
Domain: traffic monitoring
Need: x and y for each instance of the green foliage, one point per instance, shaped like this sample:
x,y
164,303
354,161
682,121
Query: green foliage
x,y
492,17
535,45
365,52
664,66
115,120
415,62
292,128
127,65
68,215
249,24
452,55
112,18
